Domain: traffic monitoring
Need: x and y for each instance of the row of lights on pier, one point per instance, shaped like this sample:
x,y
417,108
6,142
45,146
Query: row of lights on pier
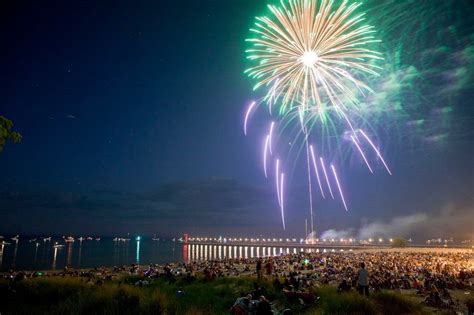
x,y
280,240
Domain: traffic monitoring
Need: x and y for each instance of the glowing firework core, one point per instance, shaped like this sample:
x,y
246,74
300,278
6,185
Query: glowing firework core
x,y
309,58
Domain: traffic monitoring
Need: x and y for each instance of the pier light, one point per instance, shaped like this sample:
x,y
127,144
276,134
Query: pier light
x,y
293,240
240,240
341,240
281,240
269,240
246,239
350,240
332,240
258,240
380,240
138,238
317,240
370,240
391,240
324,240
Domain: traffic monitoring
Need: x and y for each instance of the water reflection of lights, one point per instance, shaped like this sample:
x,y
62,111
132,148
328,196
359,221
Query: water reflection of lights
x,y
186,253
1,254
195,252
55,256
79,255
36,254
69,253
137,258
14,253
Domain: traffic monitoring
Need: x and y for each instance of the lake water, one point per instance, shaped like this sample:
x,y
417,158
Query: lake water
x,y
40,255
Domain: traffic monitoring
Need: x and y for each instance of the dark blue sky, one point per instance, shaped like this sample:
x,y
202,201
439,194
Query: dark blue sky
x,y
131,116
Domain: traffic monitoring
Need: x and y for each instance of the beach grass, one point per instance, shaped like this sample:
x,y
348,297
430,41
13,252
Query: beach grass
x,y
73,295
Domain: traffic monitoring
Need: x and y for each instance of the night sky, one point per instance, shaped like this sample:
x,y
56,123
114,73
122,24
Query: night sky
x,y
131,116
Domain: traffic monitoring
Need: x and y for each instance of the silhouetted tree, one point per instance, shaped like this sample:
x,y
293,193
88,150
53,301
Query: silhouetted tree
x,y
6,133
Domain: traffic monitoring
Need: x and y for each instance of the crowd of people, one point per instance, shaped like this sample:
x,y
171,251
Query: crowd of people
x,y
430,274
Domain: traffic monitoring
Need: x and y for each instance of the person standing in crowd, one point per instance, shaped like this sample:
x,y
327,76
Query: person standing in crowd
x,y
269,268
363,280
259,269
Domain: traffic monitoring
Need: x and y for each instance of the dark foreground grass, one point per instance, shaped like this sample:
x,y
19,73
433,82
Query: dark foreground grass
x,y
67,295
387,303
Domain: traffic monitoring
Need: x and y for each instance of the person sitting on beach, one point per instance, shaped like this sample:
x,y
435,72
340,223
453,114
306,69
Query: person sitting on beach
x,y
180,293
264,307
257,291
277,284
242,305
343,287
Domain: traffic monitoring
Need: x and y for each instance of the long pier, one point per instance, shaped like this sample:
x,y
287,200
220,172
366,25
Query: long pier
x,y
316,245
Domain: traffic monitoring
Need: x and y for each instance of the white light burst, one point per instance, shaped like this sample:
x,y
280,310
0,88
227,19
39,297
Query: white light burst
x,y
312,56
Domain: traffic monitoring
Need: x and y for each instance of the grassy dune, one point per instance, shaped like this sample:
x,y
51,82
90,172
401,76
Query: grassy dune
x,y
68,295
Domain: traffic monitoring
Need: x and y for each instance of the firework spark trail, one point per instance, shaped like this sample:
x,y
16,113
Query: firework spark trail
x,y
361,153
282,205
316,169
326,175
277,172
376,150
339,186
247,114
270,134
265,149
272,99
310,189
